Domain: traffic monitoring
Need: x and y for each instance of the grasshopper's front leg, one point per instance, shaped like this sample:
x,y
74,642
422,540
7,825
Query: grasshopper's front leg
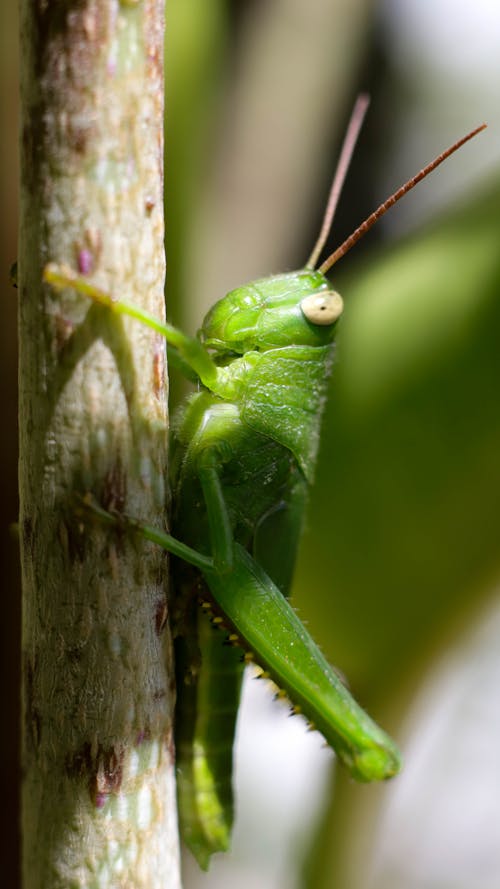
x,y
192,354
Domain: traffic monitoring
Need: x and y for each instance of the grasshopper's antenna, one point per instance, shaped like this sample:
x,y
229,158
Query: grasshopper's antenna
x,y
350,139
372,219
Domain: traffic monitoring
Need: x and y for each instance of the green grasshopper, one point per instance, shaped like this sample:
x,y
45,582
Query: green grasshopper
x,y
242,458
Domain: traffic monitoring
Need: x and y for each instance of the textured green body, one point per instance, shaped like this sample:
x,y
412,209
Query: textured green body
x,y
263,423
268,424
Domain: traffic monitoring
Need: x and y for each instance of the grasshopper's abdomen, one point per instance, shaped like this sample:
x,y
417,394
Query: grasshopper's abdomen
x,y
209,693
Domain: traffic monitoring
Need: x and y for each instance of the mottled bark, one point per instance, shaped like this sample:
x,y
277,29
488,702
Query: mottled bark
x,y
98,793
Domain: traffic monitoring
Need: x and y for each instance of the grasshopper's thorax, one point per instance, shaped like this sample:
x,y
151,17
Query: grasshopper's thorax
x,y
272,341
294,309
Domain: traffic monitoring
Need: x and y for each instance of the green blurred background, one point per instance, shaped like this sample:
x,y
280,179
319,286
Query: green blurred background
x,y
399,565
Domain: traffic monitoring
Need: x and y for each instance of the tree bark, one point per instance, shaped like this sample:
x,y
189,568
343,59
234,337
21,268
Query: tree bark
x,y
98,794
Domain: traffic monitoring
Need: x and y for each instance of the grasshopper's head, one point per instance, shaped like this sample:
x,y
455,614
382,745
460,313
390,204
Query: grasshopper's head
x,y
295,309
300,308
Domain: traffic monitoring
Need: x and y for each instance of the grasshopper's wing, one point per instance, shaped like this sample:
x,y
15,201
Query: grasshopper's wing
x,y
283,399
277,535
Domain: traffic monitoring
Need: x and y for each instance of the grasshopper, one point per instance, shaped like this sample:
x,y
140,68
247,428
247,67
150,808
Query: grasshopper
x,y
243,454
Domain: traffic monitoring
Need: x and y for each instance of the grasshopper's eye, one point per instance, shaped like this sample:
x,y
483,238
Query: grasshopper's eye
x,y
322,308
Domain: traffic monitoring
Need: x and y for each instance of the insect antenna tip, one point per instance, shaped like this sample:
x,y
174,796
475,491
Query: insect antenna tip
x,y
348,146
370,221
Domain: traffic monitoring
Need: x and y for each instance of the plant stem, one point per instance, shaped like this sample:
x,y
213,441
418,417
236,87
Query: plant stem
x,y
98,795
